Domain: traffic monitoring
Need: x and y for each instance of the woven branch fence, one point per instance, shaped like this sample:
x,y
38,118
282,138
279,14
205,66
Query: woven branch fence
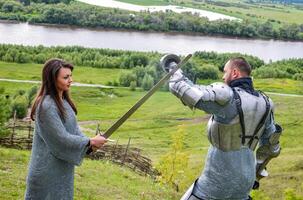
x,y
21,137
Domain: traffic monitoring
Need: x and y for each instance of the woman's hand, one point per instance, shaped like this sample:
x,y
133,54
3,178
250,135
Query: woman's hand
x,y
97,142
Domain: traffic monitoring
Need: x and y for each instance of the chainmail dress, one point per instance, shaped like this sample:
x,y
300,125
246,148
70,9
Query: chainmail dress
x,y
58,145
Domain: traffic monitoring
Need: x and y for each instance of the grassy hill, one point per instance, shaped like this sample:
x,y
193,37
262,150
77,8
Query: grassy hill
x,y
255,10
151,128
93,180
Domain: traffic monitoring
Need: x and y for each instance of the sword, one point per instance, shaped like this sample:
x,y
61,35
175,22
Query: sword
x,y
139,103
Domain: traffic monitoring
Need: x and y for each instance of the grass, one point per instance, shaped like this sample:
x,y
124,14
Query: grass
x,y
92,75
100,180
263,12
151,128
287,86
260,11
81,74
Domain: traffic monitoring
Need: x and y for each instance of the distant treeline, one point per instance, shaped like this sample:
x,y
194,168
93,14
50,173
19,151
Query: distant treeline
x,y
100,58
28,2
289,68
75,13
145,67
277,1
292,68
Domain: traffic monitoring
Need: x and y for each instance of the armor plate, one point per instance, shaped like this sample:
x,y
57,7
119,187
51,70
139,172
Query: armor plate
x,y
227,137
191,94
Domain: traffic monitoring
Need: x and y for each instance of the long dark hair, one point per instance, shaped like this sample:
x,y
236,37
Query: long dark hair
x,y
49,87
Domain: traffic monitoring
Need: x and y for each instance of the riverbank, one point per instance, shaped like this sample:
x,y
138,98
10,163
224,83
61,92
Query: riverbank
x,y
124,30
84,15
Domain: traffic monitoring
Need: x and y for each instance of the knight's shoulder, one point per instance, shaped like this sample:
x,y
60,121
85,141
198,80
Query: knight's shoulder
x,y
267,97
220,87
223,93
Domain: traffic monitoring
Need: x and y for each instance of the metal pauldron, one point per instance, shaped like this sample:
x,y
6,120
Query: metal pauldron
x,y
218,92
189,95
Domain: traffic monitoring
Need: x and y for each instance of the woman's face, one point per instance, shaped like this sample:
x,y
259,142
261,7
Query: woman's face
x,y
64,79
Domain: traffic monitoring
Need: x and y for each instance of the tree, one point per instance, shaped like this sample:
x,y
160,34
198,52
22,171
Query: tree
x,y
174,163
31,95
289,31
11,6
266,29
207,72
25,2
20,104
147,82
133,86
140,72
5,112
126,78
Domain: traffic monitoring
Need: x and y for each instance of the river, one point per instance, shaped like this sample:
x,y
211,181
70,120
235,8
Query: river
x,y
27,34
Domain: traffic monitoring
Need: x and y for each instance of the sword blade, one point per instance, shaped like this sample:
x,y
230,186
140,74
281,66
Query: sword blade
x,y
122,119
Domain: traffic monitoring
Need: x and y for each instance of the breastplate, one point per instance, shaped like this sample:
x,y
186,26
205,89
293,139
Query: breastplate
x,y
228,137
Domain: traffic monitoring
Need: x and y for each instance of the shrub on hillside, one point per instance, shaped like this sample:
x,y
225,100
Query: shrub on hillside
x,y
173,165
147,82
219,59
281,69
133,86
268,72
298,76
126,78
5,112
207,72
20,105
31,94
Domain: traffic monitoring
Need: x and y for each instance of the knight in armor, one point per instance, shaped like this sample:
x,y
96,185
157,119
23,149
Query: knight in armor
x,y
241,119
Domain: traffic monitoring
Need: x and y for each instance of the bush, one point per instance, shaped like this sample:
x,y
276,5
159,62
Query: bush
x,y
5,112
190,71
133,86
298,76
20,105
207,72
174,163
11,6
126,78
147,82
219,59
140,72
269,72
31,94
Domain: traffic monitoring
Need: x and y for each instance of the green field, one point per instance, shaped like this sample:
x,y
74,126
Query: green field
x,y
238,8
80,74
93,180
151,128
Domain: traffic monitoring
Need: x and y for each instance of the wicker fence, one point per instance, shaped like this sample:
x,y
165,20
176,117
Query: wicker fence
x,y
21,136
